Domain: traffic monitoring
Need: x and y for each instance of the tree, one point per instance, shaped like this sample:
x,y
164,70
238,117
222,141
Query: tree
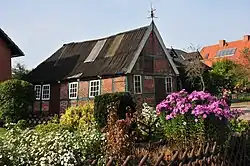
x,y
16,97
195,68
226,74
19,71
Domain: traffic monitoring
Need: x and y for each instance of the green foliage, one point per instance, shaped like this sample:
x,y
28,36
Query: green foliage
x,y
16,97
57,147
103,101
19,71
22,124
79,116
50,127
226,74
239,126
183,130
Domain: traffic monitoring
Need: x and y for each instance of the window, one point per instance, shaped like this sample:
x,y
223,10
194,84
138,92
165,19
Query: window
x,y
94,88
169,86
38,92
226,52
73,90
46,92
137,84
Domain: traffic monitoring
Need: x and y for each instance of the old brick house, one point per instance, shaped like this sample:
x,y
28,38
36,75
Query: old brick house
x,y
136,61
227,50
8,50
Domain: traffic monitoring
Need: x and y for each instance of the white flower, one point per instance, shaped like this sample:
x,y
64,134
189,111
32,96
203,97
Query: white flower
x,y
184,123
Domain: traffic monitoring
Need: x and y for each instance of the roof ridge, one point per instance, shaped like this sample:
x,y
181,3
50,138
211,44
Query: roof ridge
x,y
213,45
102,38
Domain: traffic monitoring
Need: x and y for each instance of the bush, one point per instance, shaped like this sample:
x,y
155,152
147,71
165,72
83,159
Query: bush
x,y
79,116
57,147
16,97
148,124
119,141
195,117
103,101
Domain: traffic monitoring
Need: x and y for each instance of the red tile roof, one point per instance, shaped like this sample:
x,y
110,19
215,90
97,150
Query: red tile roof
x,y
209,53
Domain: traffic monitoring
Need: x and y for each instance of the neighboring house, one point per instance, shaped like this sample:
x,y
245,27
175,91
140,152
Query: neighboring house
x,y
136,61
227,50
8,50
181,60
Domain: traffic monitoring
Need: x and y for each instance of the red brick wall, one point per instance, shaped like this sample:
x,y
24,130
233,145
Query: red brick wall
x,y
5,61
109,85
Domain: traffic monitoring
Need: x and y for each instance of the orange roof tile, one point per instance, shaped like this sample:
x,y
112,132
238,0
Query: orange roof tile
x,y
209,52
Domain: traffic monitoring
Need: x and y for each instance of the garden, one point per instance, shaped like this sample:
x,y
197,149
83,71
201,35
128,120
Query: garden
x,y
115,130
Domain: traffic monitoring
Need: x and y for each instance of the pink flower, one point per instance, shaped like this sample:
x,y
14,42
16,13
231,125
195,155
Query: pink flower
x,y
204,116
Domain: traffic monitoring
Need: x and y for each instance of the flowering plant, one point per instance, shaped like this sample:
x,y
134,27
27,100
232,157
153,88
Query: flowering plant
x,y
198,103
197,116
57,147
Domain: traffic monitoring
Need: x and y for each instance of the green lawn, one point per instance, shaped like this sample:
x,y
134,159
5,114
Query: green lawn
x,y
2,131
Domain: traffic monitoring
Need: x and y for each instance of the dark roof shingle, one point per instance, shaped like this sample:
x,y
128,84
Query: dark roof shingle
x,y
69,59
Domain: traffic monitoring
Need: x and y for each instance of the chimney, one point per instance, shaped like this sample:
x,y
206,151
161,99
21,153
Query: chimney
x,y
222,43
246,38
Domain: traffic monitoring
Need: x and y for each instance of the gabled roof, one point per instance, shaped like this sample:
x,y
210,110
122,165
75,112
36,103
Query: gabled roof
x,y
116,54
218,51
182,58
15,50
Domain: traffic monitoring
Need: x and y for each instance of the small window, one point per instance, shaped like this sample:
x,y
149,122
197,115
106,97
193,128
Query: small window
x,y
137,84
94,88
169,85
46,92
73,90
38,91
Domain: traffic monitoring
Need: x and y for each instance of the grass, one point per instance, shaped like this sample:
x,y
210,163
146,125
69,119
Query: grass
x,y
2,132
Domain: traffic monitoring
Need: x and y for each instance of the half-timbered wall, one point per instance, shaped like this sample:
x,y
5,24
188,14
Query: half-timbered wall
x,y
152,65
59,94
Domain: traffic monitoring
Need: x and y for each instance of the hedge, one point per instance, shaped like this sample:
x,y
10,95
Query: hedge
x,y
103,101
16,98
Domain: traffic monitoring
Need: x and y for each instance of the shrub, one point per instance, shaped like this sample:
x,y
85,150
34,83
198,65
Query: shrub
x,y
187,116
16,97
118,139
53,148
239,126
103,101
148,124
79,116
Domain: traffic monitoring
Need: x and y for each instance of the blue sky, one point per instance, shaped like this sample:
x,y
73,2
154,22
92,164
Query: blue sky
x,y
39,28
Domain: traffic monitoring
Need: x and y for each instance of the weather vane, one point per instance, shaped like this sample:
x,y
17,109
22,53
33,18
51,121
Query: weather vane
x,y
152,13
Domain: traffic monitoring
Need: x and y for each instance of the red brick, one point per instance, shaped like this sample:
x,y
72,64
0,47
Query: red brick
x,y
5,61
107,85
119,79
36,106
148,84
63,106
45,105
83,89
64,91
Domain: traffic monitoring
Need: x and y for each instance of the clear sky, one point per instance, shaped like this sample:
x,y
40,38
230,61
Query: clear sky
x,y
39,28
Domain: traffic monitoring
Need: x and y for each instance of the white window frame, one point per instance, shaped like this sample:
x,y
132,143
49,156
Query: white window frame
x,y
140,81
38,92
72,91
99,88
45,98
166,84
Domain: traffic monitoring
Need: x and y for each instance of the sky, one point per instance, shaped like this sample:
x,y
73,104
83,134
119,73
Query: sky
x,y
39,28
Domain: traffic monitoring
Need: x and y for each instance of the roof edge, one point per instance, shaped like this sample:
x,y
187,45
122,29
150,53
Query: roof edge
x,y
157,33
139,49
6,37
